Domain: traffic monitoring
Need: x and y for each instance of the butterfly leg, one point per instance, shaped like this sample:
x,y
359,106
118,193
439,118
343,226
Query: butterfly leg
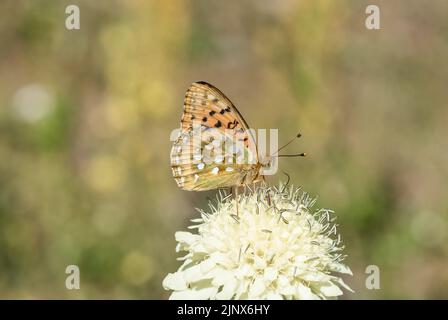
x,y
236,201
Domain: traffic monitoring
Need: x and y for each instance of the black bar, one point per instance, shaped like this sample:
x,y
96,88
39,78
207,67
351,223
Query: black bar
x,y
161,309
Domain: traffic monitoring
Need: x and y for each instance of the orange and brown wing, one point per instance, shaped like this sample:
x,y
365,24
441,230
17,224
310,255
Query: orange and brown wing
x,y
211,116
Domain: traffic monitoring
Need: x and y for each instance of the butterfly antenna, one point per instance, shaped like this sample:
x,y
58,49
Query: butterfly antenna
x,y
303,154
287,144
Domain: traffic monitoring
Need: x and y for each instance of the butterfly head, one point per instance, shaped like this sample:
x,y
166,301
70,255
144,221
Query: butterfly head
x,y
268,164
265,166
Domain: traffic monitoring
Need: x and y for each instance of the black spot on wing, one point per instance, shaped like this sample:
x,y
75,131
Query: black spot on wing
x,y
232,125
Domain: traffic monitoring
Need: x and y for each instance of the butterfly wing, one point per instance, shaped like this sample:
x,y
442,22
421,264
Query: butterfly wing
x,y
200,157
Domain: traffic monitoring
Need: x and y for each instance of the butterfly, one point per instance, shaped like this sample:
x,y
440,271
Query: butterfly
x,y
209,121
215,147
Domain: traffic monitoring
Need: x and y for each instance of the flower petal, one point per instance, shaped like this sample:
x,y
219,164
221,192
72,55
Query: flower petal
x,y
174,281
257,288
341,268
343,284
305,293
186,237
201,294
228,290
329,289
270,274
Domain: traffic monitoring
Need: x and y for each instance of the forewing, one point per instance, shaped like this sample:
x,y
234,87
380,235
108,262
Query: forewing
x,y
201,158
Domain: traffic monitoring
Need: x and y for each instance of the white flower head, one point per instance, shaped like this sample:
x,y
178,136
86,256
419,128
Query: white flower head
x,y
276,248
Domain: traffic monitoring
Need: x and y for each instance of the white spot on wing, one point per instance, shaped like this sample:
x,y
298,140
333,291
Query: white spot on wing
x,y
222,105
216,142
219,159
215,170
229,169
176,160
201,166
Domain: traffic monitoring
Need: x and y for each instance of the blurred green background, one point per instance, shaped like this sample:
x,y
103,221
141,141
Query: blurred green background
x,y
85,119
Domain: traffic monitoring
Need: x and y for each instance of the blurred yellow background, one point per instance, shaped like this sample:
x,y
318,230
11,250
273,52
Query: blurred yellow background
x,y
85,119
